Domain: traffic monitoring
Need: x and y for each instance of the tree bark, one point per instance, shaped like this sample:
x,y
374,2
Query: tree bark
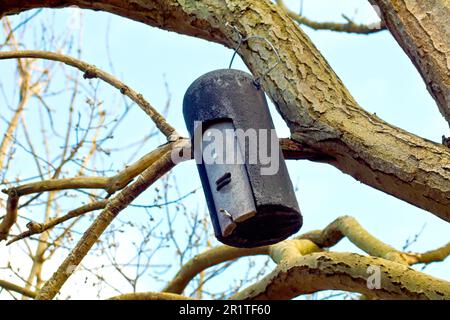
x,y
313,101
345,271
422,29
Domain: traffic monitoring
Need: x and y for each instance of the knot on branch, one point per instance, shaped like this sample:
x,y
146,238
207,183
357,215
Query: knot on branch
x,y
124,90
13,193
90,73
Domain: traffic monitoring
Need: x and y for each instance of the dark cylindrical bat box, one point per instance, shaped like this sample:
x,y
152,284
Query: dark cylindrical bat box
x,y
244,176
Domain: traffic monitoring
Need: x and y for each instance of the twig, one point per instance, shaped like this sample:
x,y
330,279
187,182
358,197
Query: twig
x,y
162,164
35,228
342,227
91,72
349,27
208,259
319,271
13,287
11,215
111,185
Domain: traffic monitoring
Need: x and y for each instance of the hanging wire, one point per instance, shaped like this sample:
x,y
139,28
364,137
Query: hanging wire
x,y
256,80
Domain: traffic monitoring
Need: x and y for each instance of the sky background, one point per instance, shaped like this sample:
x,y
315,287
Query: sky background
x,y
374,68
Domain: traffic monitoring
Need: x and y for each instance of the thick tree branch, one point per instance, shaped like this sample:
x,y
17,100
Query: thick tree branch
x,y
293,150
345,271
348,227
11,214
436,255
422,30
24,95
206,260
109,184
290,249
304,244
319,110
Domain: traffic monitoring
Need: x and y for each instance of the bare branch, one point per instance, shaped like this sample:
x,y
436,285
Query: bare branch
x,y
347,226
60,184
90,72
349,27
306,243
35,228
162,163
293,150
13,287
323,116
345,271
23,66
11,214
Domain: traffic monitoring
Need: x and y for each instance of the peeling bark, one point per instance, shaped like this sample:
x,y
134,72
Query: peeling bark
x,y
286,254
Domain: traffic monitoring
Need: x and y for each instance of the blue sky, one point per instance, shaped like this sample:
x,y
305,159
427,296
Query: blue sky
x,y
374,68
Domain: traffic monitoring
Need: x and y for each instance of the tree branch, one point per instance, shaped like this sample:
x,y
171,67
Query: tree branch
x,y
206,260
293,150
313,101
162,163
111,185
11,214
349,27
345,271
59,184
347,226
91,72
422,30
